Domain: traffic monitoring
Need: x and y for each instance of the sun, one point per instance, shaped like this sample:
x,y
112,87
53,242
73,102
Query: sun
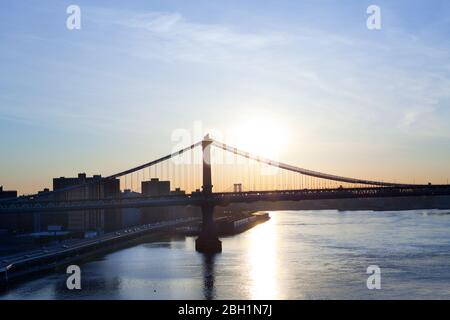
x,y
262,137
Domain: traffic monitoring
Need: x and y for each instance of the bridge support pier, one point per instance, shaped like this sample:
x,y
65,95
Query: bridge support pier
x,y
208,241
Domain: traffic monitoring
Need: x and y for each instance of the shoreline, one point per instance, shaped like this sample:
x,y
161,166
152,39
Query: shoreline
x,y
26,266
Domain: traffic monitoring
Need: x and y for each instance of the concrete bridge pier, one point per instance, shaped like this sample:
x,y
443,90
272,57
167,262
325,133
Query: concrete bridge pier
x,y
208,241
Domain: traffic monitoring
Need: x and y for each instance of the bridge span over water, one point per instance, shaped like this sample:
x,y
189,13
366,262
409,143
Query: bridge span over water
x,y
252,179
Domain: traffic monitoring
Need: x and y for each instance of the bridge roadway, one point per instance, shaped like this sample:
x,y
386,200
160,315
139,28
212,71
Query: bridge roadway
x,y
57,254
220,199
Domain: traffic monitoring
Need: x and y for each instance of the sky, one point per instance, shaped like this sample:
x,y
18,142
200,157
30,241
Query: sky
x,y
339,98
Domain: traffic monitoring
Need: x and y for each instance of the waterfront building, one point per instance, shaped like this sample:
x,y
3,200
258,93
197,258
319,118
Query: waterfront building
x,y
96,187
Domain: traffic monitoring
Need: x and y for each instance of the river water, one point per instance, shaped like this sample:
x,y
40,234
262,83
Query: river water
x,y
295,255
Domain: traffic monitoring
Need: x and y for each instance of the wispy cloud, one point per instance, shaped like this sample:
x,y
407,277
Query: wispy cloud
x,y
170,36
174,27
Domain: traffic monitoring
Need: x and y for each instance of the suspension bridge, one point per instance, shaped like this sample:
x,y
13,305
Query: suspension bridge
x,y
239,177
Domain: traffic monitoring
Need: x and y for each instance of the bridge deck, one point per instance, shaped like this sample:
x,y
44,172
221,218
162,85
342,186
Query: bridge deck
x,y
220,199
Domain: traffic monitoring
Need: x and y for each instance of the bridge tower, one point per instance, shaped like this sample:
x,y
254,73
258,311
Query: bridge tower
x,y
208,241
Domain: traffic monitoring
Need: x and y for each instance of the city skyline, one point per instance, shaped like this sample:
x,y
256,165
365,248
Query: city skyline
x,y
343,99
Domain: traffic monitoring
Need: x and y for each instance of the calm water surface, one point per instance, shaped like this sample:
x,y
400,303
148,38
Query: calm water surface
x,y
296,255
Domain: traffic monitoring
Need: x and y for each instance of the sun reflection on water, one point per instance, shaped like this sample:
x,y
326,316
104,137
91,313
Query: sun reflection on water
x,y
263,261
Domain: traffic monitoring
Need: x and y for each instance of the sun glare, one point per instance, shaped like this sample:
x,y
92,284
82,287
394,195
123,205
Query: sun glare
x,y
263,261
262,137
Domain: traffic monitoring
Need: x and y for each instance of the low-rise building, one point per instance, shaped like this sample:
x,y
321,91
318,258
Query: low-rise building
x,y
7,194
155,188
130,216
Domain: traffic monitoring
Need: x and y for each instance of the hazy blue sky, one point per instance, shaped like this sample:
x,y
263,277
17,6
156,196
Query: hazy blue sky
x,y
350,101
